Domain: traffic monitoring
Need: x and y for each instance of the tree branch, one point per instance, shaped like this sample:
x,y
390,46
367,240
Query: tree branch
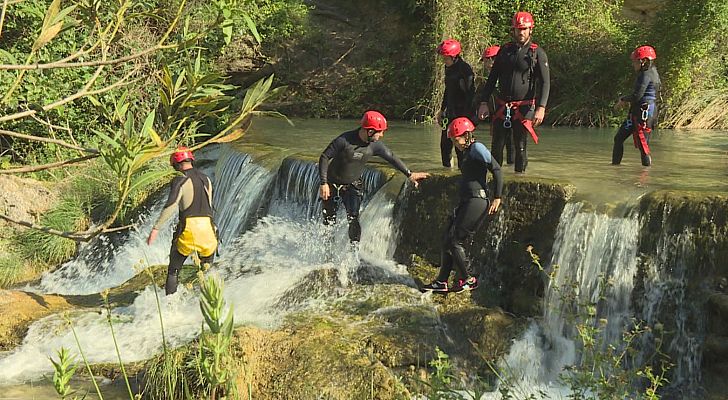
x,y
47,140
77,236
34,168
96,63
81,93
2,16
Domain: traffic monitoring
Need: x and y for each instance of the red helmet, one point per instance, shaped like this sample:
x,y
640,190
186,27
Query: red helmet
x,y
181,154
449,47
645,51
374,120
522,20
490,52
459,127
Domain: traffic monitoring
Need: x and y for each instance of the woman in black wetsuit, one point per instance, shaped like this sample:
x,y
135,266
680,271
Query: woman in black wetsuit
x,y
642,116
470,213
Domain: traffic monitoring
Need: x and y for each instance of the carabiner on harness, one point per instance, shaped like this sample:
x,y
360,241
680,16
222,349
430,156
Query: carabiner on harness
x,y
507,118
337,198
645,111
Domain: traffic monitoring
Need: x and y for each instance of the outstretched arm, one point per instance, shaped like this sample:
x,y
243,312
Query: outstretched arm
x,y
383,151
170,207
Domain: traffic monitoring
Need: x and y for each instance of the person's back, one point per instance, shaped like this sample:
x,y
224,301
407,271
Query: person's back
x,y
191,196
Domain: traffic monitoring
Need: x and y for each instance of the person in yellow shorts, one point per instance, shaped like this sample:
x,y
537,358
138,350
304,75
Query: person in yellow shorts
x,y
191,194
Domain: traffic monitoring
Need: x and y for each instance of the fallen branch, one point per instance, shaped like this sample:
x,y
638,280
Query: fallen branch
x,y
77,236
81,93
95,63
34,168
47,140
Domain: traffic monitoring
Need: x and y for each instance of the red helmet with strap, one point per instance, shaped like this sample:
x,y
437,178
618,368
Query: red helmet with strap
x,y
490,52
449,47
645,51
459,127
374,120
522,19
181,154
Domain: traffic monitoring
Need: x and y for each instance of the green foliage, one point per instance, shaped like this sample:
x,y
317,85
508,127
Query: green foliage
x,y
688,37
11,266
277,20
64,369
214,360
68,215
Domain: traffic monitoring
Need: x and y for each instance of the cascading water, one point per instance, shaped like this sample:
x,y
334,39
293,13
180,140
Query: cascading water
x,y
589,250
238,190
667,303
258,268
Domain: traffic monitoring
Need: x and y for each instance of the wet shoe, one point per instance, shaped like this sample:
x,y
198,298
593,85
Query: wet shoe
x,y
436,286
465,284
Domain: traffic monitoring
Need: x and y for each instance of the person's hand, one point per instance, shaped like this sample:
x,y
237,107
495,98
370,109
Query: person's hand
x,y
152,236
619,104
416,177
483,111
325,191
494,206
538,117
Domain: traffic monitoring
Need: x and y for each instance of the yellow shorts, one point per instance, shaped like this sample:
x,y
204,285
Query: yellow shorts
x,y
199,235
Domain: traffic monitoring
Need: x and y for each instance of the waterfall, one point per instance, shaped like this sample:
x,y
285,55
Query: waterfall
x,y
666,303
106,263
590,250
263,265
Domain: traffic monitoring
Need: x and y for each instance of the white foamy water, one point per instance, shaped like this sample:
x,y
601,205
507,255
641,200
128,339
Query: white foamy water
x,y
589,249
258,267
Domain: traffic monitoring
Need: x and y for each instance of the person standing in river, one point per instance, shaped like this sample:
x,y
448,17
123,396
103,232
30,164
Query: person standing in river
x,y
470,213
642,116
341,166
457,101
191,194
488,58
521,71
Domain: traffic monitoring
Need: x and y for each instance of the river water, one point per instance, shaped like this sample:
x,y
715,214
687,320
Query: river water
x,y
682,160
268,215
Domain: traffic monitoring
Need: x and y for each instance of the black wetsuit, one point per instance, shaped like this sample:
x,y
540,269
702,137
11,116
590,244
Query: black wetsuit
x,y
457,101
194,191
341,165
642,110
506,137
471,212
522,75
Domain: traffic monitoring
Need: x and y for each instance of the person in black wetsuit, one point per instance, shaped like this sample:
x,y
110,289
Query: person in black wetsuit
x,y
457,101
341,166
488,58
642,116
521,70
470,213
191,194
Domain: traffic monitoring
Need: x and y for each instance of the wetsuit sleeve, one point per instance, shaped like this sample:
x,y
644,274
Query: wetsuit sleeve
x,y
640,86
495,169
481,153
545,75
383,151
443,105
329,153
172,204
467,84
209,191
